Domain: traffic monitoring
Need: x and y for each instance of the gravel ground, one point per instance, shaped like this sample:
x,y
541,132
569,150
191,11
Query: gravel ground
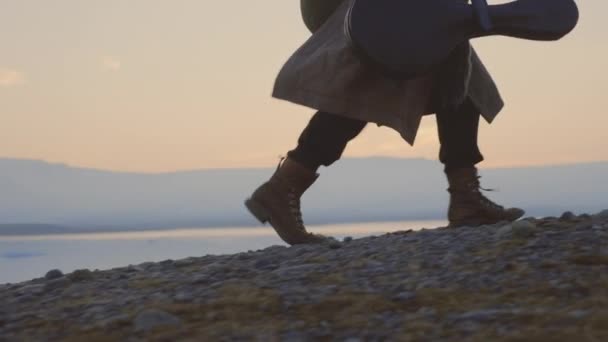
x,y
533,280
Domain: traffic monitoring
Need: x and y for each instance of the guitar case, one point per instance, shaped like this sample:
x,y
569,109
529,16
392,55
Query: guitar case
x,y
408,38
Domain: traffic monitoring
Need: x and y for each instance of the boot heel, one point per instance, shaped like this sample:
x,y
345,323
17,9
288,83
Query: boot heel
x,y
257,210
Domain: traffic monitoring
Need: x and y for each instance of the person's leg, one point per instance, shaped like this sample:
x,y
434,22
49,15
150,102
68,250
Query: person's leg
x,y
278,200
459,152
324,139
458,137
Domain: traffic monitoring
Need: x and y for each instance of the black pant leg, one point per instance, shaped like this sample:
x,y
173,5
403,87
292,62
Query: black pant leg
x,y
458,132
324,139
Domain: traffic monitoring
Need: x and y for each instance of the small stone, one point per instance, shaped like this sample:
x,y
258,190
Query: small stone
x,y
296,336
582,226
335,245
81,275
158,297
30,290
602,215
243,256
405,296
426,311
53,274
353,339
297,271
104,323
523,229
148,265
167,263
567,216
57,284
578,314
274,249
200,279
153,318
183,262
134,269
504,230
184,297
486,314
25,298
264,264
348,239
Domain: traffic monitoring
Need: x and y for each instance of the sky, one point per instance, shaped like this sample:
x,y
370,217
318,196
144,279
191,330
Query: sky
x,y
155,86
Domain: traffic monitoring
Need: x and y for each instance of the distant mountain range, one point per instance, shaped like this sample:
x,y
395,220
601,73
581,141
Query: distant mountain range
x,y
36,196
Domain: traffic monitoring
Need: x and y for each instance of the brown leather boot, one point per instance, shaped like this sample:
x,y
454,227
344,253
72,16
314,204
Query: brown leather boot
x,y
469,207
278,201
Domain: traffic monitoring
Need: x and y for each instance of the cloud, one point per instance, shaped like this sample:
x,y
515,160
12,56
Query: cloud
x,y
21,255
110,63
10,78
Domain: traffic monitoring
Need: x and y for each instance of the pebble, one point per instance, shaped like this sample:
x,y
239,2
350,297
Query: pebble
x,y
404,296
57,283
523,229
567,216
353,339
25,298
183,263
602,215
53,274
134,269
297,271
107,322
265,264
184,297
483,315
504,230
578,314
243,256
335,245
32,289
80,275
152,318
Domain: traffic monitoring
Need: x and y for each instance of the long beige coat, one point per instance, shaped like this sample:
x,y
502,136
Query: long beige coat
x,y
326,75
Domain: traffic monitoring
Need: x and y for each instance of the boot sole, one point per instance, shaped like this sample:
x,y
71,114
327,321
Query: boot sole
x,y
258,211
481,223
263,215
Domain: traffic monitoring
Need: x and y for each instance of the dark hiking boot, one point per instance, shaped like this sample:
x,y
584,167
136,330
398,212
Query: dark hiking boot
x,y
278,201
469,207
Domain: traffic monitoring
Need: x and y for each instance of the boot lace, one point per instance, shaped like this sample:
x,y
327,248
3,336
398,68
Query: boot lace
x,y
476,187
293,202
294,208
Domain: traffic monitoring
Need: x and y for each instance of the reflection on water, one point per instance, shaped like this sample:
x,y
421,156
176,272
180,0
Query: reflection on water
x,y
38,254
337,230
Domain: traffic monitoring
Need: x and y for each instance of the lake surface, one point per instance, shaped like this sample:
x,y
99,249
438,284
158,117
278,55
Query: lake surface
x,y
27,257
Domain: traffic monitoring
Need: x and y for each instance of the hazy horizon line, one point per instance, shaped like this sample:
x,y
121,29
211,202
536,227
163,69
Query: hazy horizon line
x,y
77,229
82,167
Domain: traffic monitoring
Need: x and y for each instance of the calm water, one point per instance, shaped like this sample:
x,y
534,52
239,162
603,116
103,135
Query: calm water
x,y
26,257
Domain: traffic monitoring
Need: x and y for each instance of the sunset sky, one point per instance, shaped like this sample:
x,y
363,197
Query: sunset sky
x,y
150,86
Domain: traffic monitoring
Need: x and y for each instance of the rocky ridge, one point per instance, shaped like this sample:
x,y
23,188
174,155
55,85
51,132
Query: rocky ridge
x,y
535,279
